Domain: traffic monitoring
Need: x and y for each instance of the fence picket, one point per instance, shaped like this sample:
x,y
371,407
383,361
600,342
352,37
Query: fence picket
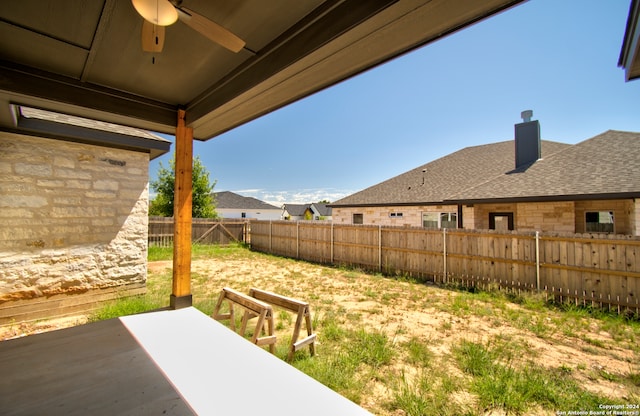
x,y
582,269
204,230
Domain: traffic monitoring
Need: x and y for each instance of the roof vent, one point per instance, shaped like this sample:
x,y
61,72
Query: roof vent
x,y
526,115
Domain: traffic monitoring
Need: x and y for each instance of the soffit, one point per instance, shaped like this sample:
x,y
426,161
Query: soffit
x,y
84,57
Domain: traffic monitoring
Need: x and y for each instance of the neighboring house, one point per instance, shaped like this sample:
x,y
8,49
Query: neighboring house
x,y
299,212
232,205
296,212
74,200
321,211
592,186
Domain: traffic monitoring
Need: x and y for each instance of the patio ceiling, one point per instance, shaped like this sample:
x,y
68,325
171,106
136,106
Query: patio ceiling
x,y
84,57
630,53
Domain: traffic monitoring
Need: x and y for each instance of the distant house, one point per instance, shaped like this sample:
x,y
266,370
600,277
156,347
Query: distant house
x,y
232,205
298,212
321,211
529,184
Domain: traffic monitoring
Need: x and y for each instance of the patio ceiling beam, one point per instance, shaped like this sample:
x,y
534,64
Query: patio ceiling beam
x,y
329,21
181,288
29,82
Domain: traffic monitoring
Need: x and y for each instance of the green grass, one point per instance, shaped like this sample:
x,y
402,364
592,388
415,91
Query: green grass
x,y
422,376
156,253
503,383
127,306
348,359
429,395
418,353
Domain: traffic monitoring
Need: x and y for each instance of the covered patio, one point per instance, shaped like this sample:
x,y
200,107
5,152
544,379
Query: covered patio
x,y
87,59
128,366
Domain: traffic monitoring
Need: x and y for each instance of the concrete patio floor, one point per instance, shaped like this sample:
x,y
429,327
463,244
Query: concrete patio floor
x,y
178,362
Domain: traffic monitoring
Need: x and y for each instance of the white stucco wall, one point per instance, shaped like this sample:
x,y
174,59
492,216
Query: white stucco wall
x,y
266,214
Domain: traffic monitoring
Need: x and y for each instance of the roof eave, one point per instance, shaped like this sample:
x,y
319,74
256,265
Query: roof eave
x,y
391,204
630,52
80,134
546,198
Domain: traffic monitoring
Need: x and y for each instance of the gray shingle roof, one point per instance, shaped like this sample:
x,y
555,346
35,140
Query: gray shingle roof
x,y
297,210
466,168
230,200
322,209
607,164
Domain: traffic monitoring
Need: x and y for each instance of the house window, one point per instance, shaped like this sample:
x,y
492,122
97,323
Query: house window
x,y
448,220
358,219
395,214
599,222
502,221
440,220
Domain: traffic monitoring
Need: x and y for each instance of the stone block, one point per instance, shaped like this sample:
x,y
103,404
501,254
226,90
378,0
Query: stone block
x,y
24,201
32,169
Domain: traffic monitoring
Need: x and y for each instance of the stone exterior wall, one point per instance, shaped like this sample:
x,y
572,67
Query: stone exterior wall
x,y
623,214
560,217
530,216
556,217
389,216
74,217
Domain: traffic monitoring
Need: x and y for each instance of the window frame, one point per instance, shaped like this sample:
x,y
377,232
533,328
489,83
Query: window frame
x,y
508,215
611,215
438,219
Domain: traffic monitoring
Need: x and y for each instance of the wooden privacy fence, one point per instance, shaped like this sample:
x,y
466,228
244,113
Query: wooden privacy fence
x,y
203,230
588,269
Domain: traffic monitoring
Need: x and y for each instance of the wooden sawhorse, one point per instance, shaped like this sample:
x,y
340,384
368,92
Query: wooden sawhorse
x,y
252,308
296,306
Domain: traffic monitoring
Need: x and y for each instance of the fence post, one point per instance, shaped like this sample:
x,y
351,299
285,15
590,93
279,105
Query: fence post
x,y
444,252
538,260
331,248
380,248
297,239
270,236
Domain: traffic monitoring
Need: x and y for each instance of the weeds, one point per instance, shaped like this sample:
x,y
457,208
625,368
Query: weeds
x,y
418,352
371,348
433,372
501,382
127,306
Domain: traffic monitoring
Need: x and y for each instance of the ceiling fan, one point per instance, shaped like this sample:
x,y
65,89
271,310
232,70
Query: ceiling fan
x,y
160,13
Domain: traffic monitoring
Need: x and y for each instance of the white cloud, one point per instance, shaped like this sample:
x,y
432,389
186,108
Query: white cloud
x,y
297,196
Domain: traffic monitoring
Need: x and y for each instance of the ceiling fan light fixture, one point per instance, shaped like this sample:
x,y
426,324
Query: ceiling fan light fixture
x,y
158,12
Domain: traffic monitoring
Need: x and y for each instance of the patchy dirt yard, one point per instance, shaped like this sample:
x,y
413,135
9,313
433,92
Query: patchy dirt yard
x,y
601,354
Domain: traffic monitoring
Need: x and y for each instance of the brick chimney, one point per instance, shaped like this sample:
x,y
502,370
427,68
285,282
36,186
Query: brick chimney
x,y
527,138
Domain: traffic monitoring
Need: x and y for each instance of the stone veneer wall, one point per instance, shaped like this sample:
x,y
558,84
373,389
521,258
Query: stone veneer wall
x,y
74,219
623,214
411,215
561,217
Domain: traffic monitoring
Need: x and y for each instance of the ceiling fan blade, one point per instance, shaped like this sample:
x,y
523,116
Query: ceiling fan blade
x,y
211,30
152,37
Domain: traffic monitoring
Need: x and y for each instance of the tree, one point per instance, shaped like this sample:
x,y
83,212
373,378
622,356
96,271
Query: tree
x,y
203,202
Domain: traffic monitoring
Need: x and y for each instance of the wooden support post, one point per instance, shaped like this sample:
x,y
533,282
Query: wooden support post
x,y
181,289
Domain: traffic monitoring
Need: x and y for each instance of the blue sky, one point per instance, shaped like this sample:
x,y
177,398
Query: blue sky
x,y
556,57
